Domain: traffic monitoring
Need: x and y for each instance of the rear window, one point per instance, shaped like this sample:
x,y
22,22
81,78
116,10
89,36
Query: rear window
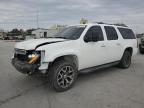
x,y
127,33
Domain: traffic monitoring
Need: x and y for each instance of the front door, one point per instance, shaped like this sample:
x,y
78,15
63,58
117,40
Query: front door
x,y
93,53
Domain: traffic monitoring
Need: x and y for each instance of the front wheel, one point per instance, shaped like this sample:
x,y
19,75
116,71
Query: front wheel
x,y
62,75
126,60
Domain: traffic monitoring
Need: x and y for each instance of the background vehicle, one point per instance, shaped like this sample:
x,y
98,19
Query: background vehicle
x,y
141,45
77,48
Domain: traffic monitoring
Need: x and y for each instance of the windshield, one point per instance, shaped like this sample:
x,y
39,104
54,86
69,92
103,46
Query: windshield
x,y
71,33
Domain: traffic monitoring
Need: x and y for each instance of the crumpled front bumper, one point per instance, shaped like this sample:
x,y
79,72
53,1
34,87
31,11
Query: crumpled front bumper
x,y
24,67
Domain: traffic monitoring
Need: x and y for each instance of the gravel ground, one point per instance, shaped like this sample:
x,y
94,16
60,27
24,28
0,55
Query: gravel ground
x,y
108,88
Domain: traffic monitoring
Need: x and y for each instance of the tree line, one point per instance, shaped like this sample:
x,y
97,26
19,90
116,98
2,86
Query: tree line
x,y
19,32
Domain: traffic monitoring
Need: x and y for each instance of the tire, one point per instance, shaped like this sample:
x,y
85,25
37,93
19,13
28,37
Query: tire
x,y
62,75
126,60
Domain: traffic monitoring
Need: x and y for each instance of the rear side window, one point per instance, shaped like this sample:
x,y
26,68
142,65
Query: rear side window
x,y
111,33
127,33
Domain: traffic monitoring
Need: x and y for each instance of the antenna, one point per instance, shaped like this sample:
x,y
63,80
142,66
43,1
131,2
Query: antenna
x,y
37,19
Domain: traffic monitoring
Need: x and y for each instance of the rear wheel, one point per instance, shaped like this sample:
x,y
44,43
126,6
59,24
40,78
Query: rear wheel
x,y
62,75
126,60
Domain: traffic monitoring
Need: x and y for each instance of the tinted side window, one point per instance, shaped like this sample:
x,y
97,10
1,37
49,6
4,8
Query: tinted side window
x,y
98,30
89,34
94,31
127,33
111,33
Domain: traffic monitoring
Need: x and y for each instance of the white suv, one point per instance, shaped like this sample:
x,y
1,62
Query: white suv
x,y
75,49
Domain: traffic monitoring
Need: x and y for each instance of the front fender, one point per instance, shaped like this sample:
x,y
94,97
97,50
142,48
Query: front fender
x,y
55,50
50,57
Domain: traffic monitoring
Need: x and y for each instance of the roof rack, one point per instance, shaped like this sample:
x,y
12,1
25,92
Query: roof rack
x,y
100,23
118,24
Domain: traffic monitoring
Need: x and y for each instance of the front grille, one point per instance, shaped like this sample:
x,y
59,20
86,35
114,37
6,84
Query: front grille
x,y
21,57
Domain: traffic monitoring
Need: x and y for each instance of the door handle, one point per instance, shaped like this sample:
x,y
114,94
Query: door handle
x,y
118,44
103,45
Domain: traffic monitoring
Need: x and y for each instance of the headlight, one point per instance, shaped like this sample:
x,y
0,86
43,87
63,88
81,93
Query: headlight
x,y
33,59
32,55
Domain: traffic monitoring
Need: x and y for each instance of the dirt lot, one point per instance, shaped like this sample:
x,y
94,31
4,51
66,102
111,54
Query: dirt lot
x,y
108,88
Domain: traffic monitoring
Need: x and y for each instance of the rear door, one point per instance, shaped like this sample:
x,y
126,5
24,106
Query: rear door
x,y
113,44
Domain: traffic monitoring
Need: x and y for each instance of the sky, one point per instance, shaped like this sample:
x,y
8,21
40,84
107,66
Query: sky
x,y
23,13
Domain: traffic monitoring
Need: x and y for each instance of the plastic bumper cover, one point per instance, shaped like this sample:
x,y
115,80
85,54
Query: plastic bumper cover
x,y
24,67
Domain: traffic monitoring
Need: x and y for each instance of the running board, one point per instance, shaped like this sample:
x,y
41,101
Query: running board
x,y
92,69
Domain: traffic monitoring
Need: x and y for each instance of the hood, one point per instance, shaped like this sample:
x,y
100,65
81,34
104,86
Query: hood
x,y
35,43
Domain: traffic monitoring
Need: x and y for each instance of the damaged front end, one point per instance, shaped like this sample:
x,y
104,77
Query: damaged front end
x,y
26,61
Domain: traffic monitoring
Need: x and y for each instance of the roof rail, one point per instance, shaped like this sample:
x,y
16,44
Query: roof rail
x,y
100,23
118,24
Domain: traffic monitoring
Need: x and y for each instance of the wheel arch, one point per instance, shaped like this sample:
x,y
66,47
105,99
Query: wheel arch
x,y
71,57
130,49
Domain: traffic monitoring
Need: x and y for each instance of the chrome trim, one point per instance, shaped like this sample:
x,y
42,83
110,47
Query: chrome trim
x,y
20,51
